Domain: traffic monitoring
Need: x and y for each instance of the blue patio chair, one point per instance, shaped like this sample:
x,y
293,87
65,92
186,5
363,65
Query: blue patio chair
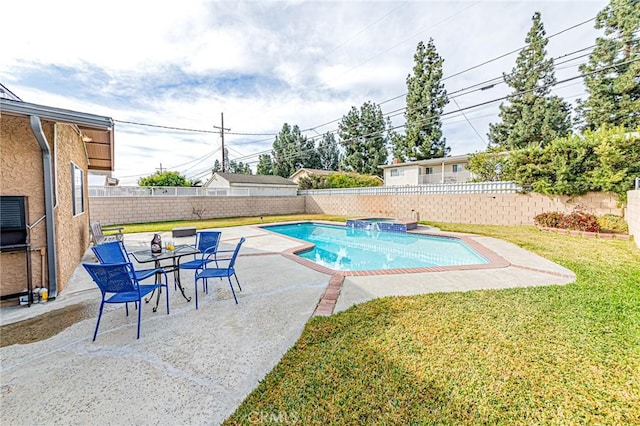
x,y
220,272
207,243
119,283
115,252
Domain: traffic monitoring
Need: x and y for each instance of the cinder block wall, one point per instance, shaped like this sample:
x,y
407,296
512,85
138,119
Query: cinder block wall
x,y
488,209
492,209
633,214
120,210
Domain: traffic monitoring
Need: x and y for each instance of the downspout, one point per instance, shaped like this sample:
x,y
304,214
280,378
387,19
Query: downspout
x,y
36,128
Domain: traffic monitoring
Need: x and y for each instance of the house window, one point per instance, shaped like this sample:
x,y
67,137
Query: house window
x,y
77,189
397,172
457,168
428,170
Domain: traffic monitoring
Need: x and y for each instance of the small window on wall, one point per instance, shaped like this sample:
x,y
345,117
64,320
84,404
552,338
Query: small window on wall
x,y
457,168
428,170
397,172
77,189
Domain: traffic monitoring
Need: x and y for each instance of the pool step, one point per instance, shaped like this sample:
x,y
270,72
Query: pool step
x,y
386,225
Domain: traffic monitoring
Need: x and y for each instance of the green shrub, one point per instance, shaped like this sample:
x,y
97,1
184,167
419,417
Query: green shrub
x,y
606,159
614,223
352,180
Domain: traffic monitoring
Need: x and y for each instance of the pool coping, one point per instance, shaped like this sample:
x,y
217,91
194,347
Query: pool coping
x,y
495,261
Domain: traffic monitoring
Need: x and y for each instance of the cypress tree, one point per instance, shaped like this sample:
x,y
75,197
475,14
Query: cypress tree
x,y
363,137
265,166
532,115
328,152
611,76
426,99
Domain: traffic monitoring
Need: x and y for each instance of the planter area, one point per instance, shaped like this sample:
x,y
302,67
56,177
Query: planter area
x,y
585,234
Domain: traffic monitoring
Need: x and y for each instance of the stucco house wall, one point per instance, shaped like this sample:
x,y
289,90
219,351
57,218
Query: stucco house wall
x,y
442,170
402,175
72,233
21,174
26,132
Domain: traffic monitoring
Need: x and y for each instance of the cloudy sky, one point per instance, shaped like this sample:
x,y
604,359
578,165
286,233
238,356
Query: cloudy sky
x,y
265,63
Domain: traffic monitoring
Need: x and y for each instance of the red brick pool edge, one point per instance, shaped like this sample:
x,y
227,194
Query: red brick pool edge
x,y
328,301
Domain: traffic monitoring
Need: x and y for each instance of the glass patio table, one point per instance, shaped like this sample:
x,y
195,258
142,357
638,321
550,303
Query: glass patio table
x,y
145,256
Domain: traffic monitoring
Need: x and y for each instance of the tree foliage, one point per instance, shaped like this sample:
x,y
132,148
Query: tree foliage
x,y
602,160
313,182
618,153
328,152
532,115
165,179
239,168
426,99
559,168
487,166
265,167
291,151
611,78
352,180
339,180
363,136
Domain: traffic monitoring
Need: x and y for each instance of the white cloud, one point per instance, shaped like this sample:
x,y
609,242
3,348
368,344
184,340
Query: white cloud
x,y
262,64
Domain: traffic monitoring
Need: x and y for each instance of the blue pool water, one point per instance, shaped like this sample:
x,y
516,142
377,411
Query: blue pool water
x,y
348,249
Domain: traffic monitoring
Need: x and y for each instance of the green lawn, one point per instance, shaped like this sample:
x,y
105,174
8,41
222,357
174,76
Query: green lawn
x,y
544,355
223,222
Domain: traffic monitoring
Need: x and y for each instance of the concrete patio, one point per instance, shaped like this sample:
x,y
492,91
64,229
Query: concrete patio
x,y
196,366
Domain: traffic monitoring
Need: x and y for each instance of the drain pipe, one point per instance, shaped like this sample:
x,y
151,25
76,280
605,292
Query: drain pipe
x,y
36,128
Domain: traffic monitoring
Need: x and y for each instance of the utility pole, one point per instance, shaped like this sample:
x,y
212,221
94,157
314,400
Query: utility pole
x,y
161,169
222,129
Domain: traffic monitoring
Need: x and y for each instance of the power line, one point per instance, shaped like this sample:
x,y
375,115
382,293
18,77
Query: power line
x,y
383,102
494,80
410,38
355,35
379,103
159,126
460,110
517,50
478,86
468,121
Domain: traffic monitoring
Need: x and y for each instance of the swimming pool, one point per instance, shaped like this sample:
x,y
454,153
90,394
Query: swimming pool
x,y
353,249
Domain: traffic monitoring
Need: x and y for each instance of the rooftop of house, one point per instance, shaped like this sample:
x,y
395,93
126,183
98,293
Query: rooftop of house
x,y
429,162
318,172
252,179
97,130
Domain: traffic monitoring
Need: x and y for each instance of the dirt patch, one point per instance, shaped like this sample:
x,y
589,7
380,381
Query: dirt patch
x,y
46,325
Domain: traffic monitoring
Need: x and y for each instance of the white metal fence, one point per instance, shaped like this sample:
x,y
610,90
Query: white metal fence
x,y
447,177
163,191
444,188
171,191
